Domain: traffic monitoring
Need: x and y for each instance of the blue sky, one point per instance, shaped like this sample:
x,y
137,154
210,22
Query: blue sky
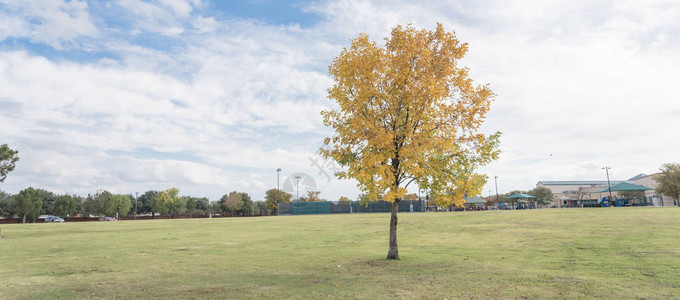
x,y
214,96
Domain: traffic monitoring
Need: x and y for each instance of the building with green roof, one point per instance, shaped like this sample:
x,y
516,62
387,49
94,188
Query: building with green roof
x,y
583,193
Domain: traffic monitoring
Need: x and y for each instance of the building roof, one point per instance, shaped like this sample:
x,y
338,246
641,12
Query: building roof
x,y
475,200
580,182
638,176
520,196
625,186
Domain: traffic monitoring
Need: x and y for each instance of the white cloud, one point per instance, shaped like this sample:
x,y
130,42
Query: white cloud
x,y
166,17
56,23
231,100
13,26
180,7
205,25
590,82
222,114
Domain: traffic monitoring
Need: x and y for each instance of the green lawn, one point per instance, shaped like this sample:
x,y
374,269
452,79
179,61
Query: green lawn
x,y
551,253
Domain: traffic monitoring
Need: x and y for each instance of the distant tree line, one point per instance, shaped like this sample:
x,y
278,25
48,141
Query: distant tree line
x,y
31,203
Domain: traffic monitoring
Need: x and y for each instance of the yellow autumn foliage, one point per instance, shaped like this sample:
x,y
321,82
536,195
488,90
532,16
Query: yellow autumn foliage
x,y
407,112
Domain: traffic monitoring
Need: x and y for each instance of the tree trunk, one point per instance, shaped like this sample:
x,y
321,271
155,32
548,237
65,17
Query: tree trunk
x,y
24,219
394,251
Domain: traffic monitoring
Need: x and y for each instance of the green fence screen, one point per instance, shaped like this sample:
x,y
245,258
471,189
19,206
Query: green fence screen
x,y
348,207
310,208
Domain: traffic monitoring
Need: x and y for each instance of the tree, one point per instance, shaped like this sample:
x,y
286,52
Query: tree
x,y
28,204
102,204
190,205
543,195
247,209
171,201
500,198
157,204
48,199
89,205
120,205
273,197
80,204
145,201
237,203
578,195
8,159
255,208
313,196
363,198
408,113
669,181
231,202
7,206
203,205
216,208
262,208
343,198
107,204
133,208
411,197
64,206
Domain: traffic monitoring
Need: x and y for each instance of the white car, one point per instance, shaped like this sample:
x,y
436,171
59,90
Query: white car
x,y
53,219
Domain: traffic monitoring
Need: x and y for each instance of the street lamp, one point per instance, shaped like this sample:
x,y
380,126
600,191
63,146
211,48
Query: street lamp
x,y
136,200
278,173
609,186
278,190
495,179
297,179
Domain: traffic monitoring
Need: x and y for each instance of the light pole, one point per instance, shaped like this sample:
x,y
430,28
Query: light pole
x,y
609,186
136,200
495,179
278,190
278,173
297,179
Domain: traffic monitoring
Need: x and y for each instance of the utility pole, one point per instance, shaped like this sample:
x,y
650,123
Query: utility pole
x,y
297,179
278,190
609,186
495,179
136,200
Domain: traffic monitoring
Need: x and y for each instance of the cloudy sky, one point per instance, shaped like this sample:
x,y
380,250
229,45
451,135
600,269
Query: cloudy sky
x,y
214,96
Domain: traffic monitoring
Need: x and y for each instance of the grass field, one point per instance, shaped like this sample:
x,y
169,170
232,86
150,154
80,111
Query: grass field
x,y
550,253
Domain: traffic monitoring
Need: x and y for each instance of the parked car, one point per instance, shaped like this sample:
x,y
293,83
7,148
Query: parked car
x,y
53,219
107,219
